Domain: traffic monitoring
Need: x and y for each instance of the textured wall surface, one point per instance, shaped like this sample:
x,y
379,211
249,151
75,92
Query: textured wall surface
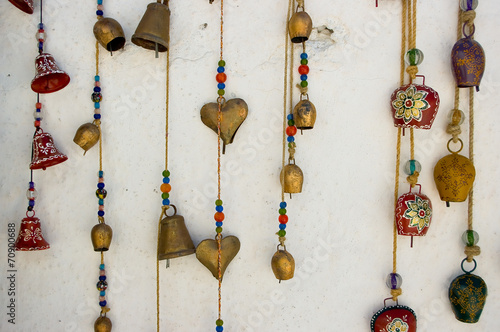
x,y
340,229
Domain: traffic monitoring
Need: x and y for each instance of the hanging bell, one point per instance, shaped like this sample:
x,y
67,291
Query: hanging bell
x,y
414,106
30,235
109,33
87,136
300,27
304,115
152,33
102,324
283,264
292,179
49,78
454,176
467,295
394,318
174,240
468,62
101,236
25,5
413,214
45,153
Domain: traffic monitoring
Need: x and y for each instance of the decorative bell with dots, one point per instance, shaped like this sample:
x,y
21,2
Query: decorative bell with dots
x,y
49,78
413,214
45,153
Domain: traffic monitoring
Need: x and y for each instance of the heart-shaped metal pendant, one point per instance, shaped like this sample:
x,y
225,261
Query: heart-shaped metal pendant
x,y
234,112
207,253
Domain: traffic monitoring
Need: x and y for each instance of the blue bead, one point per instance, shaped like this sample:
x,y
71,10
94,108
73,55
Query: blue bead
x,y
289,116
40,44
40,26
102,293
97,89
38,110
218,224
166,202
100,213
100,185
101,267
97,78
282,226
219,208
97,105
221,86
97,116
219,329
99,2
290,139
283,205
38,119
31,202
102,303
303,77
303,56
101,174
102,278
101,202
99,13
32,184
220,69
166,180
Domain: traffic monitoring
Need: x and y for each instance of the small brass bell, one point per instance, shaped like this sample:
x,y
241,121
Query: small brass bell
x,y
109,33
102,324
454,176
174,240
292,179
300,27
101,236
87,136
153,30
283,264
304,115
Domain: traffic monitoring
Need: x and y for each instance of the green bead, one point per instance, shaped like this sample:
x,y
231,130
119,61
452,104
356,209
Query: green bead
x,y
291,123
470,238
222,63
303,84
166,174
219,322
218,202
414,57
165,195
221,92
303,62
282,211
218,229
281,232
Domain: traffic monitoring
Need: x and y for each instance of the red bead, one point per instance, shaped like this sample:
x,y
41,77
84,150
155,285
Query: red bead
x,y
38,105
303,70
37,123
283,219
219,216
221,77
291,130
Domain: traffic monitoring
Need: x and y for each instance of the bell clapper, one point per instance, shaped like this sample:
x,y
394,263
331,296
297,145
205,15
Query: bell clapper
x,y
224,148
156,50
447,204
167,263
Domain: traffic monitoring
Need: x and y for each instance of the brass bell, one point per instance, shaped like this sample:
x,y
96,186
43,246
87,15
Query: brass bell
x,y
87,136
152,32
292,179
109,33
300,27
174,239
454,176
102,324
283,264
304,115
101,236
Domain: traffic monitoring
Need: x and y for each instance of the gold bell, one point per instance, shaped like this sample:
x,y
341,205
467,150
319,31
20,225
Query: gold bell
x,y
283,264
292,179
174,239
87,136
304,115
300,27
101,236
454,176
109,33
152,32
102,324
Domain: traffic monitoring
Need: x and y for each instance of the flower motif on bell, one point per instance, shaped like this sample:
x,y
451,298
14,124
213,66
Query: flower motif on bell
x,y
47,148
419,213
409,104
36,234
397,325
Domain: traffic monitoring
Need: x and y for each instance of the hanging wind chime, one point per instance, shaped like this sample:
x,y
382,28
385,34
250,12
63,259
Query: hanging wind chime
x,y
224,117
109,34
454,174
413,106
49,78
303,117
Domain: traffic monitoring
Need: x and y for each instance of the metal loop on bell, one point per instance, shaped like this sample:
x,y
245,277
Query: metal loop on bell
x,y
31,215
278,247
101,219
419,187
166,209
390,298
473,30
221,100
462,266
423,78
306,95
461,145
290,161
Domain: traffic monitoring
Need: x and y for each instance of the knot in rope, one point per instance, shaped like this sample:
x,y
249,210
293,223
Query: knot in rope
x,y
472,251
395,293
412,71
413,179
282,240
454,130
300,3
468,17
303,89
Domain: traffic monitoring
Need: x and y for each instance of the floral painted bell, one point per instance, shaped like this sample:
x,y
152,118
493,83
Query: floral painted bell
x,y
468,61
30,235
413,214
45,153
49,78
396,318
414,106
25,5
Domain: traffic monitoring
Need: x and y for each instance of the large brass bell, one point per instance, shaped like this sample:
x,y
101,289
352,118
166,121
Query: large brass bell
x,y
292,179
300,27
174,239
152,32
87,136
304,115
109,33
102,324
283,264
454,176
101,236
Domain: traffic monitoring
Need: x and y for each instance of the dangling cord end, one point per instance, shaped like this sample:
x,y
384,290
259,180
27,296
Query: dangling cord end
x,y
411,242
156,50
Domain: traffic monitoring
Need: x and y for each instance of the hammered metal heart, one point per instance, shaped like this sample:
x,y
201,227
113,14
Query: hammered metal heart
x,y
234,112
206,252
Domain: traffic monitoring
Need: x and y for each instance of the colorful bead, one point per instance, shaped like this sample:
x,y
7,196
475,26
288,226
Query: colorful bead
x,y
166,180
304,62
303,77
99,2
220,69
412,166
97,78
281,232
31,203
166,173
289,117
219,322
97,116
100,213
101,193
102,293
100,185
102,303
303,56
221,77
291,123
414,57
31,193
221,92
97,89
97,105
101,267
222,63
37,123
290,139
165,195
291,130
96,97
283,218
218,230
165,188
470,238
102,278
394,281
221,86
282,211
219,328
467,5
303,70
282,226
218,224
219,208
101,202
102,285
282,205
166,202
219,216
99,13
40,25
303,84
218,202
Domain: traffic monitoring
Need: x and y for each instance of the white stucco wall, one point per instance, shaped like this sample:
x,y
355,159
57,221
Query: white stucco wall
x,y
340,225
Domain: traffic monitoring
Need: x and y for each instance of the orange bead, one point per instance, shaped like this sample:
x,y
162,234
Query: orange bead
x,y
165,188
219,216
303,70
283,219
291,130
38,105
221,77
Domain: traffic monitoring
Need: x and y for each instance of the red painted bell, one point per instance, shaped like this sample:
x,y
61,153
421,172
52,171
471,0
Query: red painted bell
x,y
468,62
414,106
45,153
413,214
30,235
396,318
25,5
49,77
